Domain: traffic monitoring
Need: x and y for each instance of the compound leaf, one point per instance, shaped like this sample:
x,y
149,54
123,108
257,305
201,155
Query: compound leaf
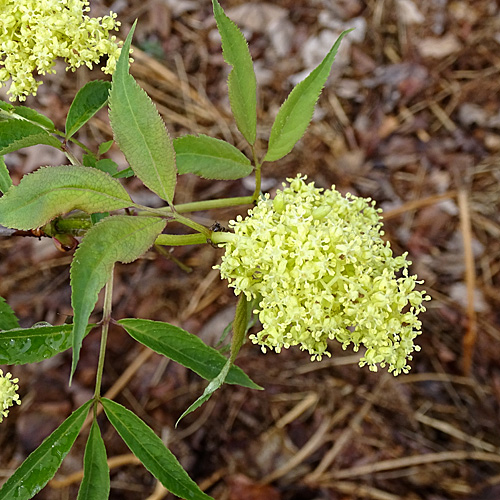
x,y
52,191
114,239
139,130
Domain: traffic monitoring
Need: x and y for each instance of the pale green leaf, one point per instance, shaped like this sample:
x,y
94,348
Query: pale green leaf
x,y
151,451
16,134
296,112
37,470
5,180
87,102
184,348
8,321
30,345
242,84
210,158
139,130
95,484
115,239
52,191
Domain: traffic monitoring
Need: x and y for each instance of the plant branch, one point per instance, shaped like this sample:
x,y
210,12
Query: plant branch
x,y
106,318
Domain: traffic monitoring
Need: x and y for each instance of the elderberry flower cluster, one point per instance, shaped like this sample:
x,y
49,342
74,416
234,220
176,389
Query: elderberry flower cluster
x,y
34,33
318,268
8,396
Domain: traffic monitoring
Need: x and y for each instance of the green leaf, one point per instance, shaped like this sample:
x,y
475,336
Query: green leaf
x,y
151,451
5,180
241,82
52,191
87,102
240,327
107,165
36,471
16,134
210,158
213,385
8,321
30,345
105,147
28,114
115,239
296,112
126,172
184,348
139,130
95,484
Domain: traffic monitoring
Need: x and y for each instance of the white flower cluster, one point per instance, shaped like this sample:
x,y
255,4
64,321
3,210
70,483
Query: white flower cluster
x,y
34,33
8,396
320,270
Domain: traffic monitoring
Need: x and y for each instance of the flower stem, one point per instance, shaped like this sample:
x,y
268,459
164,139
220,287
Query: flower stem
x,y
106,318
258,177
174,240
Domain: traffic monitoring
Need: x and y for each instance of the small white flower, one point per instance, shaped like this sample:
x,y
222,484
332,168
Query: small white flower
x,y
320,270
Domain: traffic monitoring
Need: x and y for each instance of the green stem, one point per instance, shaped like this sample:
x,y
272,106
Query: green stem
x,y
192,224
73,140
221,237
106,318
258,177
174,240
199,206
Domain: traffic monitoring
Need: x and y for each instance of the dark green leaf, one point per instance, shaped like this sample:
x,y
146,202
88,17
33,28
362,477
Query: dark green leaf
x,y
107,165
126,172
36,471
5,180
89,160
210,158
242,84
30,345
16,134
139,130
184,348
52,191
95,218
8,321
87,102
115,239
151,451
296,112
95,484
